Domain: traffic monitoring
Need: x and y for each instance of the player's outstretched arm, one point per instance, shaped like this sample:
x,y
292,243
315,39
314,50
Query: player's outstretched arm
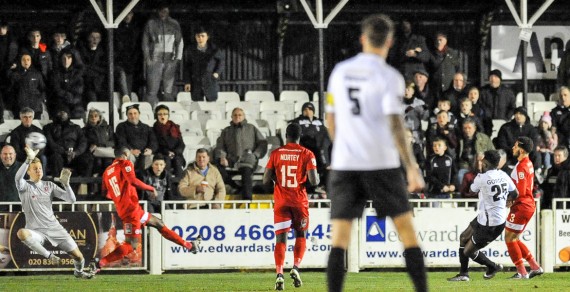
x,y
415,180
66,193
30,155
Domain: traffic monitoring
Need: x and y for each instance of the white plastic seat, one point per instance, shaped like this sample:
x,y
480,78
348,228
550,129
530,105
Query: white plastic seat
x,y
283,107
172,105
316,102
79,122
207,106
251,109
263,129
554,97
260,96
537,108
203,116
191,128
294,95
531,96
497,124
9,125
226,96
145,109
191,141
184,97
214,129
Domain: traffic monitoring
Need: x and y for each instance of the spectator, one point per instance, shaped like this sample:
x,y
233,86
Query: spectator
x,y
138,137
443,64
557,182
510,131
441,171
204,66
17,137
498,100
561,117
415,113
41,58
169,137
314,136
466,112
27,87
8,191
423,92
443,105
410,52
8,53
417,150
445,130
128,54
202,181
240,146
60,44
471,143
162,47
158,177
95,61
67,86
99,142
479,110
66,146
457,92
475,167
548,140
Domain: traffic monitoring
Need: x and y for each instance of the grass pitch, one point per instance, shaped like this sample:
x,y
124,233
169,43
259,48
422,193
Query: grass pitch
x,y
264,281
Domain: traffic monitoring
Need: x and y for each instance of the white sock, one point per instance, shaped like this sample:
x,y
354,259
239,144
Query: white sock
x,y
36,246
79,265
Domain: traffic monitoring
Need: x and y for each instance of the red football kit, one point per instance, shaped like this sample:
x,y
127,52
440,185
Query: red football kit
x,y
119,181
291,163
523,208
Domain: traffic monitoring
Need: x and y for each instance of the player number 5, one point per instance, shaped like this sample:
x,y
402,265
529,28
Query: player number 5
x,y
353,94
289,176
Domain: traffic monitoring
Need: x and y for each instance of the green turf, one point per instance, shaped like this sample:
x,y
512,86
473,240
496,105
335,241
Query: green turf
x,y
264,281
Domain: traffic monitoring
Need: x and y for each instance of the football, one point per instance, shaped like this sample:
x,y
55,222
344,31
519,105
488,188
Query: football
x,y
36,141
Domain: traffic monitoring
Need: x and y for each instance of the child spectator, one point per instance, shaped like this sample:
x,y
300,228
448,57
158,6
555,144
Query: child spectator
x,y
157,176
442,128
440,171
548,139
415,112
466,111
443,105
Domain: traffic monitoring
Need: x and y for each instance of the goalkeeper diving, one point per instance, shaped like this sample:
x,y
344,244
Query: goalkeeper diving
x,y
41,224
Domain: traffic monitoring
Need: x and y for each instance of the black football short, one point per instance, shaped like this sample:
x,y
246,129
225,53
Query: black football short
x,y
483,235
349,191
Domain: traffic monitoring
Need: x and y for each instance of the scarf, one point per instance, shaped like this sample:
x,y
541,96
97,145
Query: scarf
x,y
169,129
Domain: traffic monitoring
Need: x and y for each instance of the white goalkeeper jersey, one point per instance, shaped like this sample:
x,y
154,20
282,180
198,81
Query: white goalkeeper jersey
x,y
363,92
493,187
37,199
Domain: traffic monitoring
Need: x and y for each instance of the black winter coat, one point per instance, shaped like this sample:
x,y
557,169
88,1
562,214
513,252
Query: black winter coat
x,y
139,136
61,136
98,134
27,88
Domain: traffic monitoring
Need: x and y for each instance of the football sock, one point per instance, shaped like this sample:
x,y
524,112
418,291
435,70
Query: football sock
x,y
279,255
415,267
464,261
119,253
172,236
525,253
299,250
335,269
516,257
37,247
79,265
482,259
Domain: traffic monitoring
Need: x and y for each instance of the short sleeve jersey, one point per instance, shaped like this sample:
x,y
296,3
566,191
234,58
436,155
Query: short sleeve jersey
x,y
363,92
493,187
523,176
291,163
118,180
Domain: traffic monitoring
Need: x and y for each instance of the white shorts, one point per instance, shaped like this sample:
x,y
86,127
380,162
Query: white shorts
x,y
59,238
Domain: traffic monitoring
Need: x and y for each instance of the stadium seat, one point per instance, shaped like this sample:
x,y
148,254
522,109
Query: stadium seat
x,y
191,141
272,112
531,96
214,129
204,115
554,97
191,128
251,109
260,96
172,105
178,113
294,95
316,103
184,97
497,123
226,96
537,108
145,109
79,122
262,126
208,106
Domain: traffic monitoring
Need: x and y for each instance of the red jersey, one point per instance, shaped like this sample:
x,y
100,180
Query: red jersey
x,y
291,163
523,176
119,181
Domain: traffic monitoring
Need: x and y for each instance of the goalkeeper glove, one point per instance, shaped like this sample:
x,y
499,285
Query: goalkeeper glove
x,y
64,176
30,153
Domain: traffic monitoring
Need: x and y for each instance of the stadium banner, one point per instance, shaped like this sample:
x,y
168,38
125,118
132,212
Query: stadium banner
x,y
96,235
543,51
562,237
242,238
437,230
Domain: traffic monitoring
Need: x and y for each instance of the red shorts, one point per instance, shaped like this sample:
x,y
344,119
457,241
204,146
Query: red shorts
x,y
287,217
518,219
132,225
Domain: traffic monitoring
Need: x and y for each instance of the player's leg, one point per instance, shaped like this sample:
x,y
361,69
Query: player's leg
x,y
157,223
79,264
481,237
463,259
35,241
515,226
412,252
535,268
282,219
68,245
340,237
301,225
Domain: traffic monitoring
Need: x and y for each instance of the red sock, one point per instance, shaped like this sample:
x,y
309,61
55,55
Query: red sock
x,y
172,236
119,253
525,253
279,255
299,250
516,257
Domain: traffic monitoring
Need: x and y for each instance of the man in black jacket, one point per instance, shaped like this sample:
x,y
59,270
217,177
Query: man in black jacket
x,y
67,86
138,137
498,100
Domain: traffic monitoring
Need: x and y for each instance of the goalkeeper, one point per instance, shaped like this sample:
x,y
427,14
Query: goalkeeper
x,y
41,224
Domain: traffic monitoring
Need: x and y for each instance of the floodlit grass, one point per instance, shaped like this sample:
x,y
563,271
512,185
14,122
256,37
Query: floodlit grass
x,y
264,281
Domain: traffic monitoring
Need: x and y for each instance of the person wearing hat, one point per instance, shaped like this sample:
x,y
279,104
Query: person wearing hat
x,y
498,100
548,139
421,79
509,132
66,86
138,137
314,136
169,137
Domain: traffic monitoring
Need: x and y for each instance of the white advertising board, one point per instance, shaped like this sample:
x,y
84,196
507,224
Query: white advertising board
x,y
235,239
561,234
543,51
438,231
